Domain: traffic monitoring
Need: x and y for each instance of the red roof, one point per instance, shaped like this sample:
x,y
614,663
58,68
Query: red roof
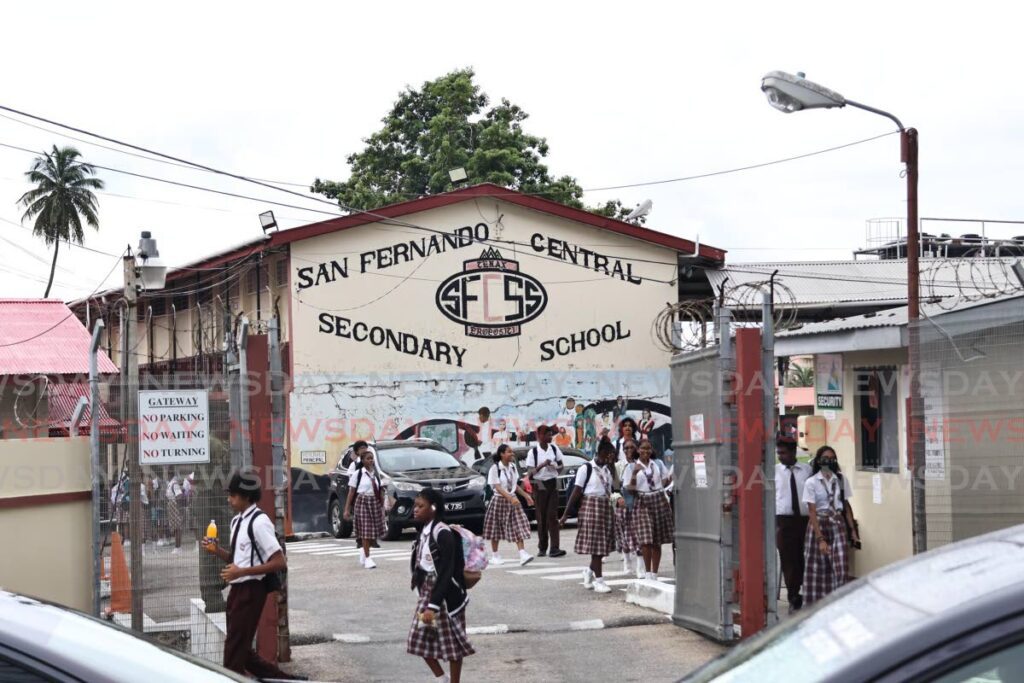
x,y
681,245
63,401
534,202
43,337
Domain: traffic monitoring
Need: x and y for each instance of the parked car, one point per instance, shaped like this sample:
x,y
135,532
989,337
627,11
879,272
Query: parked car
x,y
41,641
952,614
408,466
572,458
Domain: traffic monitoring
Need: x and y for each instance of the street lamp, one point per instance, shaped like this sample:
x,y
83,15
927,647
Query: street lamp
x,y
143,271
789,93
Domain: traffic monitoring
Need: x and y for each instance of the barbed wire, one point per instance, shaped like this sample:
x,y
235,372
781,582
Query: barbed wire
x,y
975,277
746,301
684,326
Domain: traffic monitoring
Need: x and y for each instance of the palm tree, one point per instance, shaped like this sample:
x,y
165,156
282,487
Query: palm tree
x,y
61,199
800,376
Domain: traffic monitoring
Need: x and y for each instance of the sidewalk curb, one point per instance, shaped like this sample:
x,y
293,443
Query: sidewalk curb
x,y
298,640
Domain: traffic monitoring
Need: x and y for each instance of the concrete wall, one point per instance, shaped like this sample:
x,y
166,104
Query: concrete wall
x,y
885,521
45,519
350,385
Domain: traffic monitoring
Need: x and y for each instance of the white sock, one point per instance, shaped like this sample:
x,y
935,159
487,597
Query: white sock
x,y
362,556
523,553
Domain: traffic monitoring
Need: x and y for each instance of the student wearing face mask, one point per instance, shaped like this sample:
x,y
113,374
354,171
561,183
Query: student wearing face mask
x,y
826,494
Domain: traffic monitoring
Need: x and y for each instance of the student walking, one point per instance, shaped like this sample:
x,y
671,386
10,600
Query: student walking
x,y
596,533
652,519
624,502
627,432
438,631
175,494
255,559
505,519
544,461
826,494
790,517
366,495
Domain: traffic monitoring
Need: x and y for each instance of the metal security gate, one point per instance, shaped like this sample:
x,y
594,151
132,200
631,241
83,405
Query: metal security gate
x,y
704,457
724,432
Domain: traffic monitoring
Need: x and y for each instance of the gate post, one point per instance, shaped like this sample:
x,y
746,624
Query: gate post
x,y
751,485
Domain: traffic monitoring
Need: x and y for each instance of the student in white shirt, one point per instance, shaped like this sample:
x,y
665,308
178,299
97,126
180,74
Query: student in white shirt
x,y
175,494
254,561
438,630
595,535
827,496
505,519
790,517
544,461
652,520
366,496
625,538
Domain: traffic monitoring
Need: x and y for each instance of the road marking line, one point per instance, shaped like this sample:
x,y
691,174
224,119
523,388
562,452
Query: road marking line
x,y
351,638
578,575
497,629
552,570
313,549
353,552
586,625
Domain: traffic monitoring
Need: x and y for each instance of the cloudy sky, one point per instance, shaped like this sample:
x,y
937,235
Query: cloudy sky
x,y
624,93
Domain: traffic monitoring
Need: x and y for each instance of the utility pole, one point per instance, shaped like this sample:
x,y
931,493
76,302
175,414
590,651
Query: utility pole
x,y
131,420
94,462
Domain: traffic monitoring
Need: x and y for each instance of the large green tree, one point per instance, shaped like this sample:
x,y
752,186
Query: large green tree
x,y
448,123
61,199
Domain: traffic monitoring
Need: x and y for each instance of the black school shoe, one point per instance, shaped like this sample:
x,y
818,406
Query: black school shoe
x,y
542,553
557,553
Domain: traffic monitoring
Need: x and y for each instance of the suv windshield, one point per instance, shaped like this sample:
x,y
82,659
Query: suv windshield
x,y
413,458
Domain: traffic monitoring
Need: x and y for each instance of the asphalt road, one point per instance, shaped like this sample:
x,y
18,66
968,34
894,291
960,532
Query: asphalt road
x,y
536,623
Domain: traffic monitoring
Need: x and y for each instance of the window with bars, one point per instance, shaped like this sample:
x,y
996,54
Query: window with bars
x,y
281,272
252,280
877,398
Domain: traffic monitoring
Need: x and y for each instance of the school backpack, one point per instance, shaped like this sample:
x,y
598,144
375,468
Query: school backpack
x,y
474,555
575,510
273,581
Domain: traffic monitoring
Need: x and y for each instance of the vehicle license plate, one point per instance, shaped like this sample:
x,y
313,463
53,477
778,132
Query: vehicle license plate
x,y
454,506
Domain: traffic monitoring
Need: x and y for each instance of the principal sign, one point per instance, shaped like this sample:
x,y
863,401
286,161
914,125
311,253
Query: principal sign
x,y
174,427
491,296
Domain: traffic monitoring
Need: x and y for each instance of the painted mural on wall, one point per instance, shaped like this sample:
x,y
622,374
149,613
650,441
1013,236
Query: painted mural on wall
x,y
329,414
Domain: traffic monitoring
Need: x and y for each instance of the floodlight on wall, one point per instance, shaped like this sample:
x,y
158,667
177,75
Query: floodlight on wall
x,y
151,269
268,221
458,175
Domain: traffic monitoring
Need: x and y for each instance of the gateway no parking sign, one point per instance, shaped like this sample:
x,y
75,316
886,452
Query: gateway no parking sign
x,y
174,427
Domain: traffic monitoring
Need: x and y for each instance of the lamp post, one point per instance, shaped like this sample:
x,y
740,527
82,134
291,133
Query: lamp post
x,y
789,93
142,272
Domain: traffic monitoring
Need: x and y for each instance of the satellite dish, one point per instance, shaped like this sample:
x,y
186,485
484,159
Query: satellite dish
x,y
641,210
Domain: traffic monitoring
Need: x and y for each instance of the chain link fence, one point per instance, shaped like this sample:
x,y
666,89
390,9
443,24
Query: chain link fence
x,y
176,585
971,364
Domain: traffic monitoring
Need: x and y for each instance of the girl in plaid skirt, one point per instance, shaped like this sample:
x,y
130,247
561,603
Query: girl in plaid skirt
x,y
595,535
827,495
438,631
366,494
625,540
505,519
652,522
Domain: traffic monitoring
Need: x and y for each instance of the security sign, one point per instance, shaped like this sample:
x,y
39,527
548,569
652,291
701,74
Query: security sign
x,y
491,296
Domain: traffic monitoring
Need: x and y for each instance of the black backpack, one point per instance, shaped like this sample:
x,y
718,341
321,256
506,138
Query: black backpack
x,y
272,581
574,510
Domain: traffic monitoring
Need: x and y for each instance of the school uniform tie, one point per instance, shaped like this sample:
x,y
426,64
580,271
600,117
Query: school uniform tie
x,y
792,492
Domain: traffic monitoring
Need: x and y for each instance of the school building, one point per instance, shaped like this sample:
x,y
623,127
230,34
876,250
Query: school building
x,y
481,310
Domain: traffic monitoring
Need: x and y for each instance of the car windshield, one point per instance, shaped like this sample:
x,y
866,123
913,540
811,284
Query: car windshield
x,y
414,458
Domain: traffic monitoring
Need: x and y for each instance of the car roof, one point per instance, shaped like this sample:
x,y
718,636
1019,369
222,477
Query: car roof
x,y
90,649
924,601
